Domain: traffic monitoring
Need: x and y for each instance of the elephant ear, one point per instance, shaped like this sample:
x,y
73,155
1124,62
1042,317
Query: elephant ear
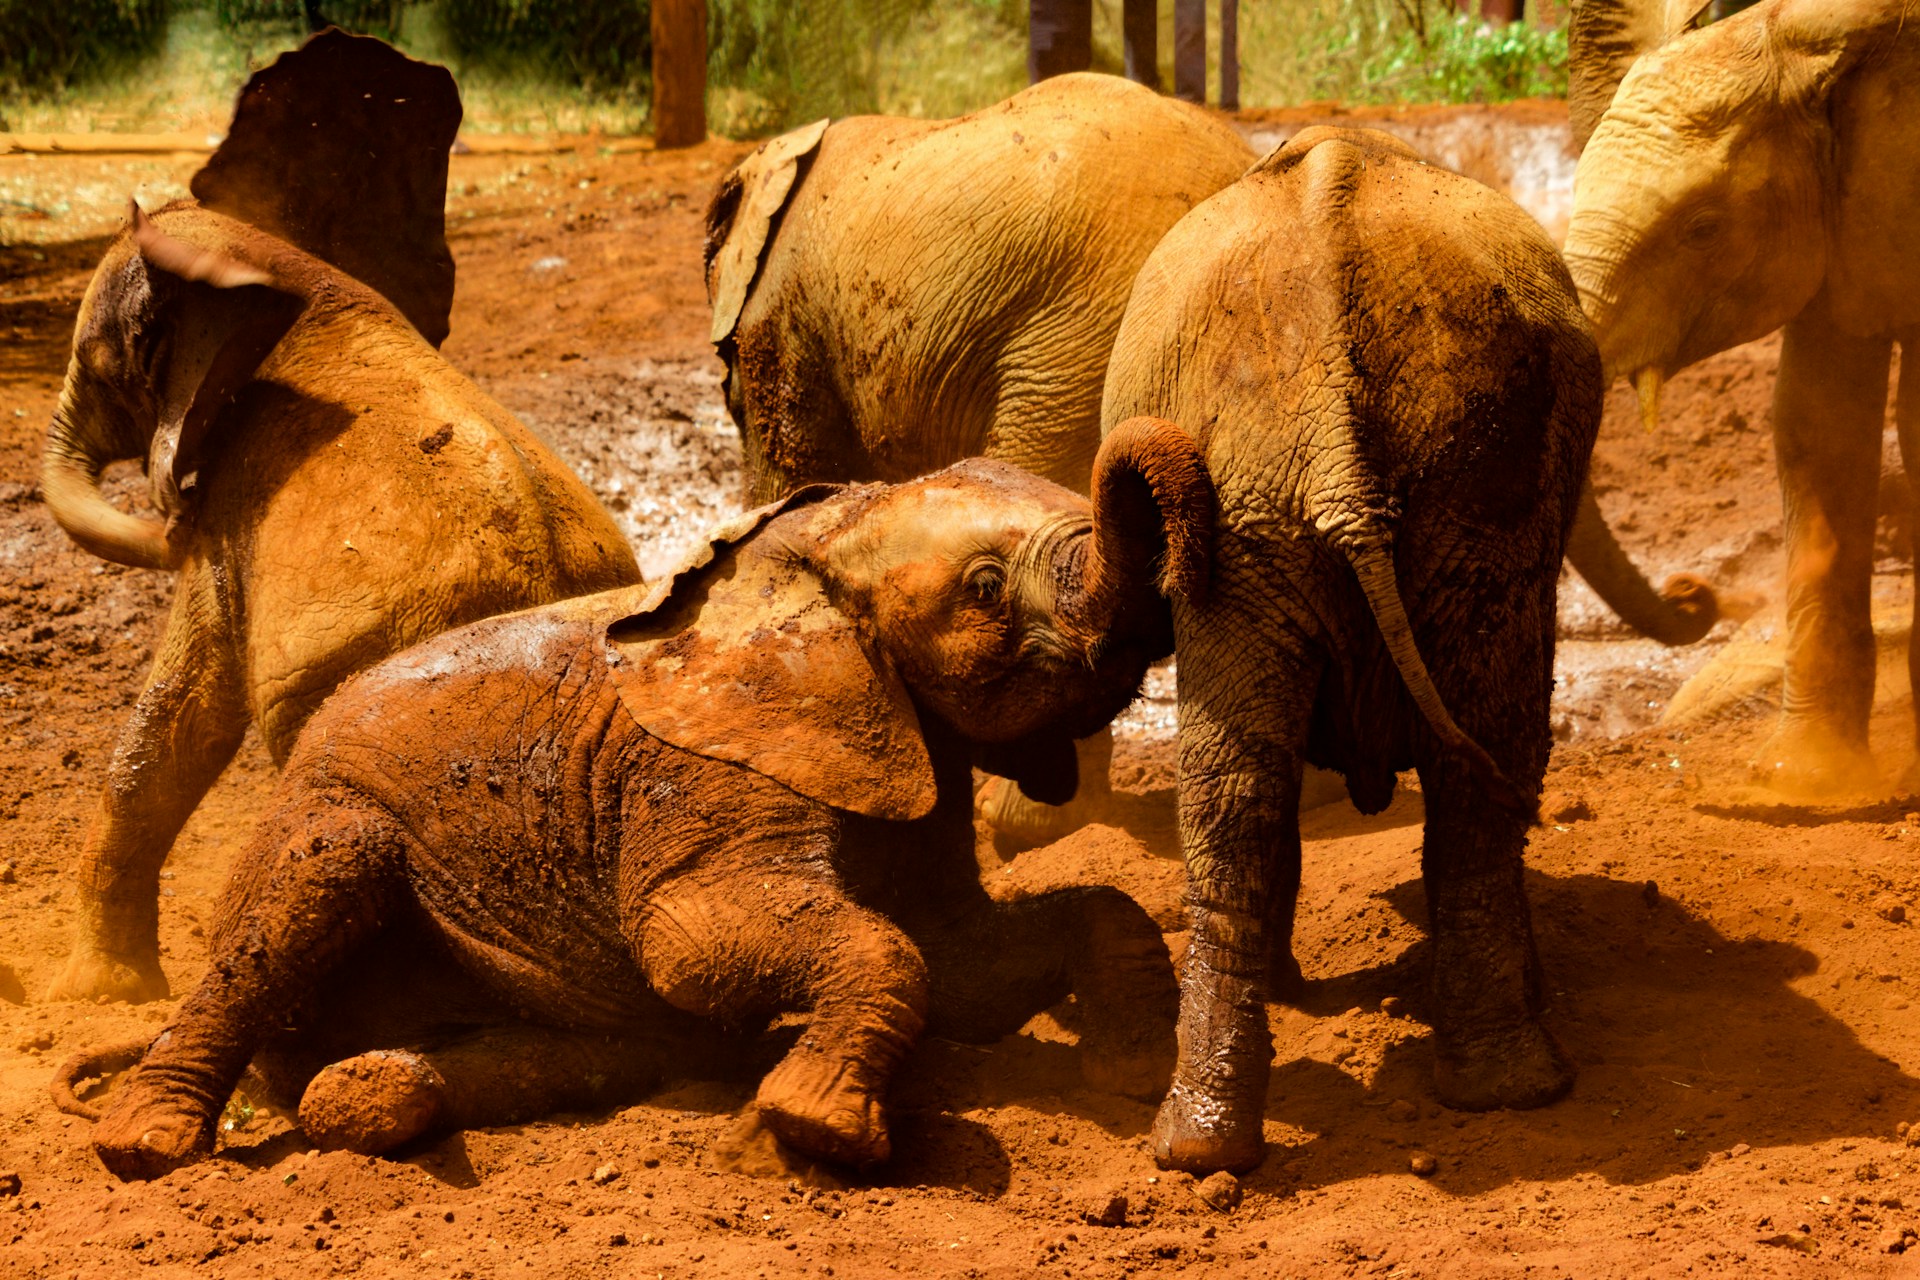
x,y
744,658
220,319
740,220
340,149
1603,39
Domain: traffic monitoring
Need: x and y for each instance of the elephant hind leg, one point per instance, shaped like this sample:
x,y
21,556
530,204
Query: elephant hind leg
x,y
795,943
321,877
375,1101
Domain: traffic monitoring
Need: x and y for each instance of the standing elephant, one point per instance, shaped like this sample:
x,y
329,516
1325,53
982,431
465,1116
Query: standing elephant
x,y
332,489
1754,173
890,296
746,794
1396,392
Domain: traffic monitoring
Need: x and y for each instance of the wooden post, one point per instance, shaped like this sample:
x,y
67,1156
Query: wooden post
x,y
1140,38
1494,11
679,73
1229,55
1059,37
1190,50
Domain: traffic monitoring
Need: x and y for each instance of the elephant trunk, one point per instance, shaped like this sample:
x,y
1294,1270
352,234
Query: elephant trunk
x,y
1153,499
1681,612
70,484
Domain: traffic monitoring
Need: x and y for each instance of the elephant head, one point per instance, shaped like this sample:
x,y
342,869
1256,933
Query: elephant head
x,y
1008,609
338,150
1741,170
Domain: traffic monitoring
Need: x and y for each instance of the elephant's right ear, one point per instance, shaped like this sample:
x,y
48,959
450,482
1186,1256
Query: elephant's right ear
x,y
744,658
740,220
218,319
340,148
1603,39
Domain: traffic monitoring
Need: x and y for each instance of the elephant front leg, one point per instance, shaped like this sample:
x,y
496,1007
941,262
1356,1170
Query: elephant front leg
x,y
994,967
185,727
758,945
1244,711
1828,409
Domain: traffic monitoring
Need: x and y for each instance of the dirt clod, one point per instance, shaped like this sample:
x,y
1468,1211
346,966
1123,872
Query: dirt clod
x,y
1890,908
1105,1209
604,1174
1650,893
9,1183
1423,1164
1400,1111
1220,1191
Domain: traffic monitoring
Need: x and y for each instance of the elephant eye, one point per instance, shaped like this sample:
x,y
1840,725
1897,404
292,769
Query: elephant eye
x,y
1702,228
987,581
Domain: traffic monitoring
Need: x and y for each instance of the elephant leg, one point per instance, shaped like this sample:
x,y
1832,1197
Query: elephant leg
x,y
185,727
1908,412
755,945
1828,409
336,874
996,966
375,1101
1246,700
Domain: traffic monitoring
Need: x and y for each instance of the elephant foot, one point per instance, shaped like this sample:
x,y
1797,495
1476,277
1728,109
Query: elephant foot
x,y
96,976
1520,1069
142,1136
372,1103
751,1148
1805,759
1197,1134
822,1107
1020,823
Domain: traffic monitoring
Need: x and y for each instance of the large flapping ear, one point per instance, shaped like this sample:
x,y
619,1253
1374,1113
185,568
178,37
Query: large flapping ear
x,y
340,148
740,220
222,318
1603,39
745,659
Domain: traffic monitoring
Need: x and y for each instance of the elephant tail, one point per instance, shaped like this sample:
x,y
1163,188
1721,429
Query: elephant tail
x,y
1371,556
97,1062
1681,612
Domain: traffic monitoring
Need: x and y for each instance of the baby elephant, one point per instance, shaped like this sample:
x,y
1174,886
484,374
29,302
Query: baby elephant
x,y
566,830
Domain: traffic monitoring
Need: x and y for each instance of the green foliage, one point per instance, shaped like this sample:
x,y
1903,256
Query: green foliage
x,y
368,17
1461,59
45,45
604,46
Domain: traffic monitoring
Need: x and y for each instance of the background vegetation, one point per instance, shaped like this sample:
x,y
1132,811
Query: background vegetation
x,y
578,65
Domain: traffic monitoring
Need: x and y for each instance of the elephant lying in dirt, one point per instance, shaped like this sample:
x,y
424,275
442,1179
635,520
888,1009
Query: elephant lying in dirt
x,y
1759,172
333,490
1387,367
749,794
893,295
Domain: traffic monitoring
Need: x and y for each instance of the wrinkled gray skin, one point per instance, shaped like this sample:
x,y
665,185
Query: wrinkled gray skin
x,y
747,795
1397,394
1756,173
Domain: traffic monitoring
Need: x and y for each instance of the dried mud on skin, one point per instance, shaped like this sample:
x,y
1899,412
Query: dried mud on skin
x,y
1732,976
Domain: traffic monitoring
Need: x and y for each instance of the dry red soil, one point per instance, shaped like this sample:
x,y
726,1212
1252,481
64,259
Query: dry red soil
x,y
1734,974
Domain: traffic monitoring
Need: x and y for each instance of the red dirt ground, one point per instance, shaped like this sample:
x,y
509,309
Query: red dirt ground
x,y
1732,974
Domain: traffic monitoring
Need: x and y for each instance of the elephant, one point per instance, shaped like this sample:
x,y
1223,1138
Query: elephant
x,y
331,488
746,792
1752,174
1386,367
891,295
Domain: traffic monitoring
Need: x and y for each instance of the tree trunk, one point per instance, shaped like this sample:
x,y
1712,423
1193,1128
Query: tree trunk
x,y
1140,33
1229,55
1495,10
1190,50
1059,37
679,73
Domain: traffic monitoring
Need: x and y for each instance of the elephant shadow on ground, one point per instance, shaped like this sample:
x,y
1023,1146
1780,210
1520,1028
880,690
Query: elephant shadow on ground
x,y
1689,1044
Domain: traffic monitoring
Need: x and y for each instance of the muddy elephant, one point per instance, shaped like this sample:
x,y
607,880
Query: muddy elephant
x,y
1750,174
745,794
891,295
1397,394
330,489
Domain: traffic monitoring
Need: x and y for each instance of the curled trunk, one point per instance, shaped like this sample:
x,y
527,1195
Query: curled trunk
x,y
70,483
1680,612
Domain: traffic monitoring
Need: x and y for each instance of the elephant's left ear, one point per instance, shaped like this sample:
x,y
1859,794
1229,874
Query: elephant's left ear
x,y
740,220
340,149
1603,39
747,660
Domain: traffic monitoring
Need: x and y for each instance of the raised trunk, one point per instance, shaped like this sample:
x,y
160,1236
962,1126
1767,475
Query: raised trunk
x,y
1152,498
70,484
1681,612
